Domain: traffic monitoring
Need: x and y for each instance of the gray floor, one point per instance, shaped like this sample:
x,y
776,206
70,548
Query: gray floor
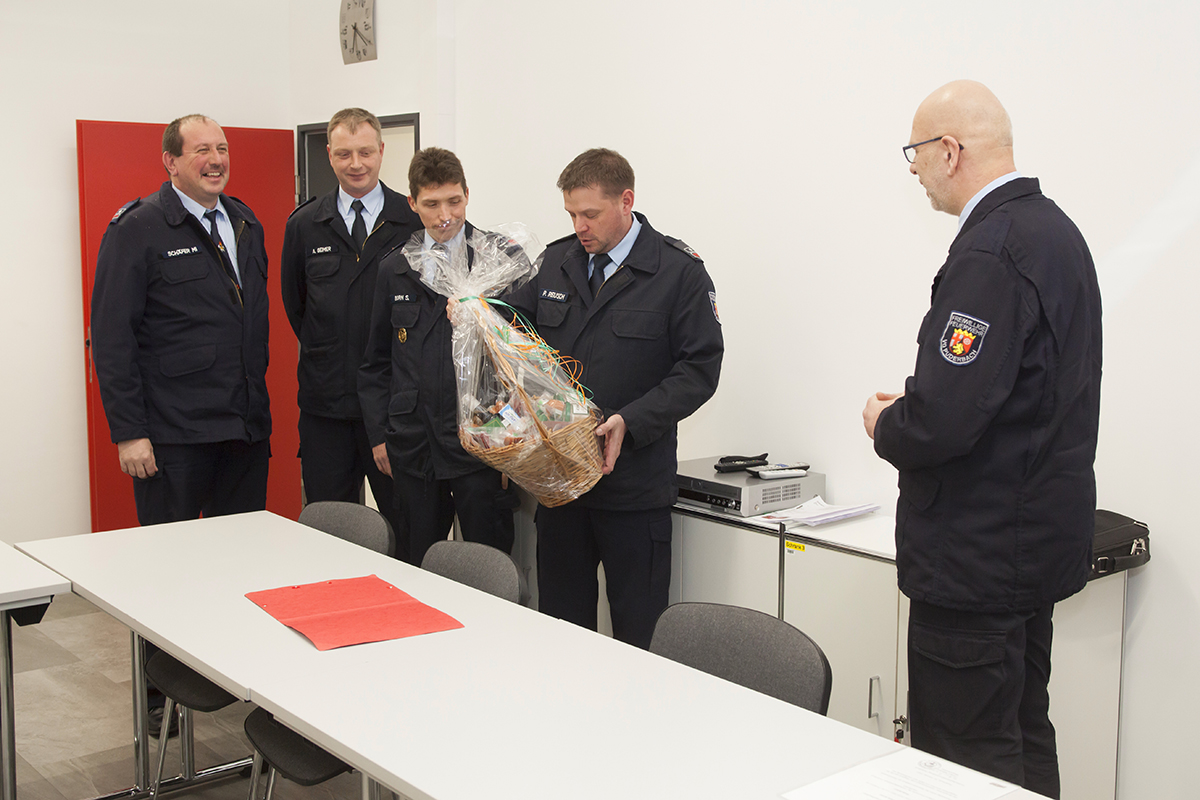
x,y
74,722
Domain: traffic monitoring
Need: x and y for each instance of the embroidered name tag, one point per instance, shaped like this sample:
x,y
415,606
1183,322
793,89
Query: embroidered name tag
x,y
963,338
323,249
181,251
402,298
558,297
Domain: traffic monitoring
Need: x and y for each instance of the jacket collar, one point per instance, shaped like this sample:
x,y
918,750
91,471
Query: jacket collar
x,y
644,255
394,207
177,215
1021,187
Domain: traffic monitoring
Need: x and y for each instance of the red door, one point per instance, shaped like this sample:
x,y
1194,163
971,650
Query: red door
x,y
119,161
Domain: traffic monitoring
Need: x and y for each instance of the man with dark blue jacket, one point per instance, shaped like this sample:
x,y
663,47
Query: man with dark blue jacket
x,y
407,382
179,337
331,251
638,310
994,436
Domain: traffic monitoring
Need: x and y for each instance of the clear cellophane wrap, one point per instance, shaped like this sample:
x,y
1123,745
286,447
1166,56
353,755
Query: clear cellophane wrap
x,y
520,410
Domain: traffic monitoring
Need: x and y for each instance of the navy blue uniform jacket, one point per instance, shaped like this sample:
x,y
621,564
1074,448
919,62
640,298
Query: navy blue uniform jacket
x,y
407,383
328,290
180,359
995,436
650,346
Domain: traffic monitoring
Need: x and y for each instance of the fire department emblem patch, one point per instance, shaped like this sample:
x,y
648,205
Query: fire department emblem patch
x,y
963,338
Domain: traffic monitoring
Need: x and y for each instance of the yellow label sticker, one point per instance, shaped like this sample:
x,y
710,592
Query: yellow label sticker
x,y
796,546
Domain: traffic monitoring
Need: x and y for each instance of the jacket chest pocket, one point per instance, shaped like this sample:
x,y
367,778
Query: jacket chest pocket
x,y
637,338
322,266
182,270
640,325
551,313
405,317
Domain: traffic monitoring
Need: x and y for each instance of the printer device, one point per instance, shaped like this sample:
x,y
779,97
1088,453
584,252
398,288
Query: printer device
x,y
741,493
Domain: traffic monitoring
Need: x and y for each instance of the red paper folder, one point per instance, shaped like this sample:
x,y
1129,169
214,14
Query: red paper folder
x,y
351,611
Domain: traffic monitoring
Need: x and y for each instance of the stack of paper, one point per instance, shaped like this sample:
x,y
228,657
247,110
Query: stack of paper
x,y
813,512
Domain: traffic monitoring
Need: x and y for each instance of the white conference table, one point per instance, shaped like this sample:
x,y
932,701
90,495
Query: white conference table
x,y
514,704
23,583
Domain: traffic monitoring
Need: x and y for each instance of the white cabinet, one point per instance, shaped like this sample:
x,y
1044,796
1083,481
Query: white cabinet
x,y
841,591
846,603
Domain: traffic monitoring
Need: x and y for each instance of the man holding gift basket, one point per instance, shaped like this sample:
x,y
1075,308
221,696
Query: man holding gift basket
x,y
638,311
407,383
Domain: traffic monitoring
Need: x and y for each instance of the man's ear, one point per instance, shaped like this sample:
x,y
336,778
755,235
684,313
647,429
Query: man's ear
x,y
952,154
169,163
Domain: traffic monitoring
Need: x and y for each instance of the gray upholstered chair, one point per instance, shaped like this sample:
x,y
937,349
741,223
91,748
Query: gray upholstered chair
x,y
746,647
353,522
477,565
286,752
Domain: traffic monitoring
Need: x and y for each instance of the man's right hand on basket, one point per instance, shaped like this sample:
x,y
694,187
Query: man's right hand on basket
x,y
613,431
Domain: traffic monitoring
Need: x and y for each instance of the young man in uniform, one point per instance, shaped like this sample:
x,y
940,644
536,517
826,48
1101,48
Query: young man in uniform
x,y
331,251
407,382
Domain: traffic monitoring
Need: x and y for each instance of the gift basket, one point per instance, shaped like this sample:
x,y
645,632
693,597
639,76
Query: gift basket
x,y
521,409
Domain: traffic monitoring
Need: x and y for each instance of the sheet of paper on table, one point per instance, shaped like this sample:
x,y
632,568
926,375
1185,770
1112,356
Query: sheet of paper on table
x,y
907,774
350,611
812,512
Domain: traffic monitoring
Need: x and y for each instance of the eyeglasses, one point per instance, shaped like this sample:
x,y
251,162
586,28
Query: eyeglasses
x,y
910,150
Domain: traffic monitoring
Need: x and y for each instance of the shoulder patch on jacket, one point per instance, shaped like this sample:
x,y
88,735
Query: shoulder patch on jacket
x,y
123,209
680,245
302,205
962,338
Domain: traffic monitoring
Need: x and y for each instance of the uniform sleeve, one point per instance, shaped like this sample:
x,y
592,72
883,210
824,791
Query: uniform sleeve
x,y
698,347
968,360
292,285
375,374
118,303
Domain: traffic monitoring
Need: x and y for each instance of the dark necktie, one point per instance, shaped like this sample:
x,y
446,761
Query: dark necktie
x,y
597,278
215,233
359,232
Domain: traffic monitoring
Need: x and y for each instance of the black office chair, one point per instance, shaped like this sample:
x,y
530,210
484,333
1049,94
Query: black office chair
x,y
286,752
183,686
479,566
747,647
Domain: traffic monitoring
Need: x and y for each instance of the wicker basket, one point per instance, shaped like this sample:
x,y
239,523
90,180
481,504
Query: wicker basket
x,y
556,466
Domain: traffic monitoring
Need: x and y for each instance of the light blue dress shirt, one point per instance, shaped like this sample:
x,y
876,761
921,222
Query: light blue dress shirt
x,y
619,253
372,207
224,226
982,193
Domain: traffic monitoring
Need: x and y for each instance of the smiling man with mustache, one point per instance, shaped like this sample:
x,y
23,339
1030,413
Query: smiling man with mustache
x,y
179,337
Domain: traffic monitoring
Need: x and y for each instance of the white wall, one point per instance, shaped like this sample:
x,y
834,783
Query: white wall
x,y
767,136
117,60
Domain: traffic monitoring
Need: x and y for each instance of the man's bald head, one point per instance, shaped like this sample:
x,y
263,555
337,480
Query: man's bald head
x,y
975,147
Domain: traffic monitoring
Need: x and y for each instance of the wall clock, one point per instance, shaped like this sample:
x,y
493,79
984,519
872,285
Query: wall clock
x,y
356,29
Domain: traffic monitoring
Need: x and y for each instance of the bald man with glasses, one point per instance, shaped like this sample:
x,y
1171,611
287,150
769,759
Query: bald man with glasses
x,y
994,437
